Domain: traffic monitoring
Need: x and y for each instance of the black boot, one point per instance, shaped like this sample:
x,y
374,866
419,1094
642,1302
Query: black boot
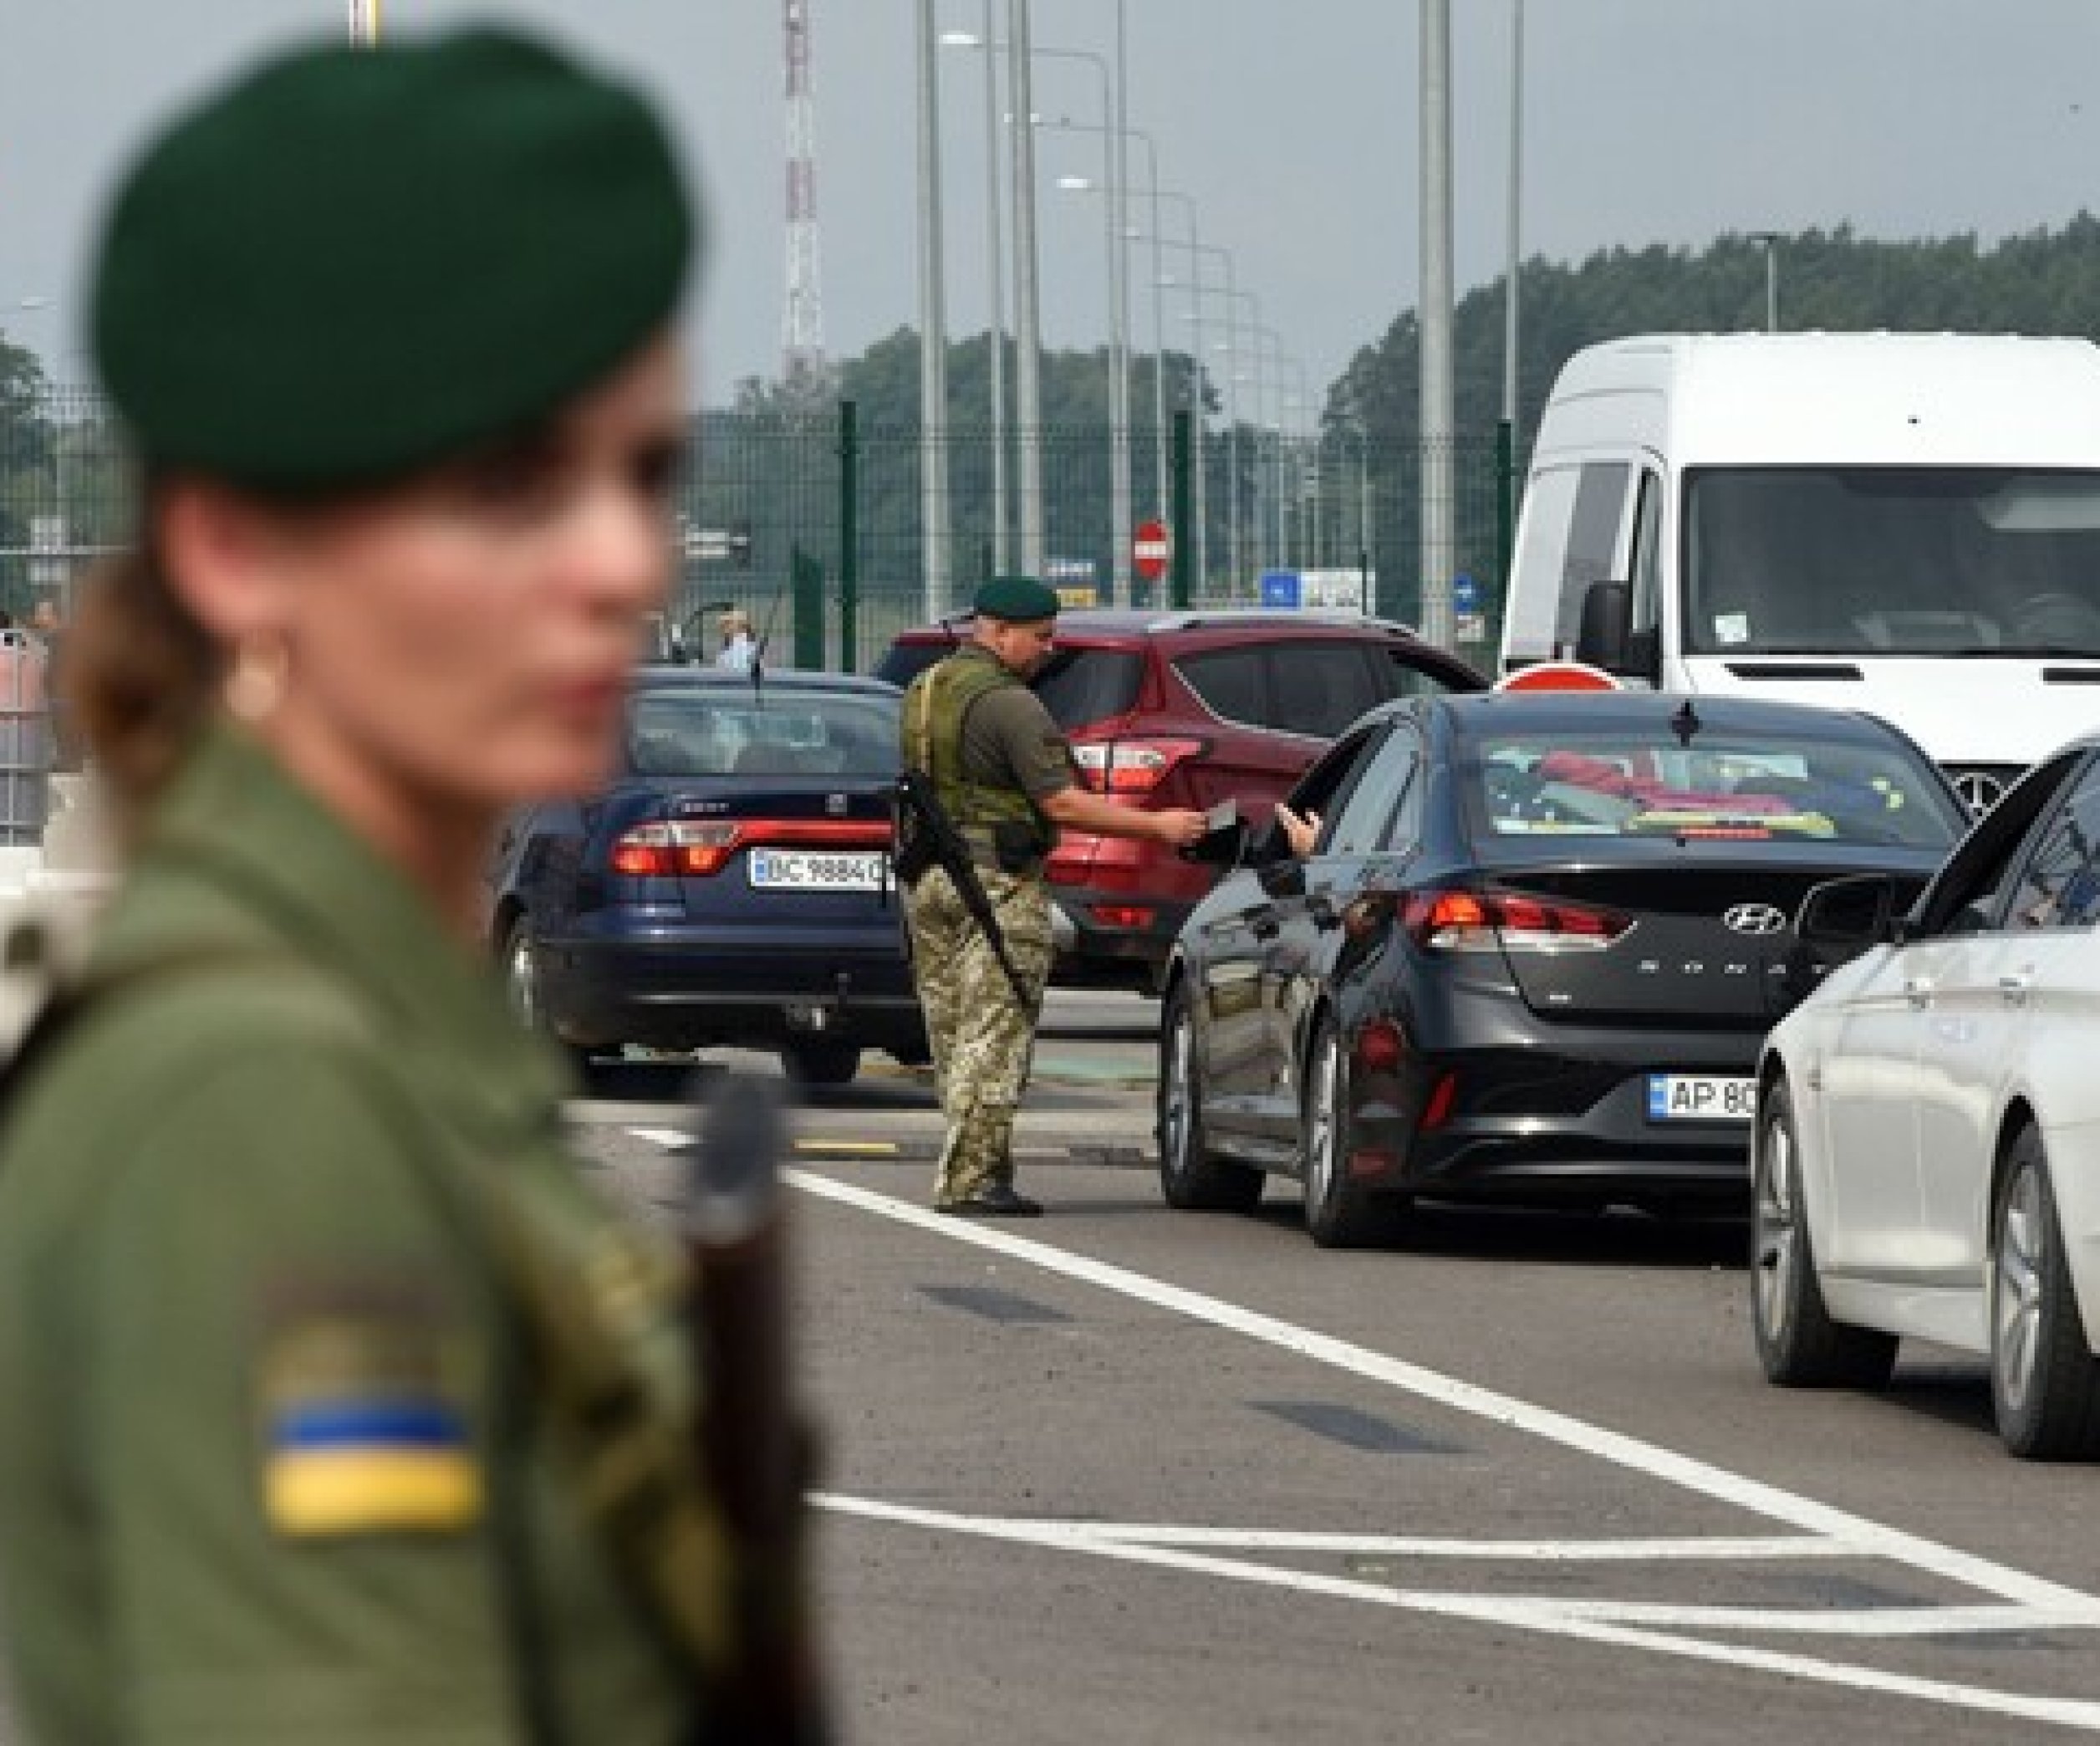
x,y
995,1200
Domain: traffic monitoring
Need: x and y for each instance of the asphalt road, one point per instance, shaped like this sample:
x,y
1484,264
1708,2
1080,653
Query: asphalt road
x,y
1125,1474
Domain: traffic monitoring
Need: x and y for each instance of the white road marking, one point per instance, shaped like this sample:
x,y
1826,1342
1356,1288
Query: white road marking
x,y
1718,1548
1557,1618
1858,1533
2036,1603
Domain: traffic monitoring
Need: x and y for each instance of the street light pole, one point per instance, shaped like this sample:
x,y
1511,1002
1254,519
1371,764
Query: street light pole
x,y
1118,123
1515,172
1769,240
1118,345
1439,473
1080,184
364,22
933,330
1027,293
995,296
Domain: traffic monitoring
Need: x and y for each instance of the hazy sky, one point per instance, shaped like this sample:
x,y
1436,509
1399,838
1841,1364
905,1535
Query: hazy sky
x,y
1293,125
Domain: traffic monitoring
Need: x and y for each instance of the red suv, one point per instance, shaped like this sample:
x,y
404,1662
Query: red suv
x,y
1189,709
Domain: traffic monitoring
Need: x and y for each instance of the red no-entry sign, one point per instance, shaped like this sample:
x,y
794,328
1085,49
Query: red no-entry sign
x,y
1151,550
1558,675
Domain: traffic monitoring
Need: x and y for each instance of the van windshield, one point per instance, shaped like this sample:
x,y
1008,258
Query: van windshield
x,y
1967,561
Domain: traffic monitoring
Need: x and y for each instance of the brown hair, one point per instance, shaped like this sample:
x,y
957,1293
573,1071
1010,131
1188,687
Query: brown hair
x,y
139,679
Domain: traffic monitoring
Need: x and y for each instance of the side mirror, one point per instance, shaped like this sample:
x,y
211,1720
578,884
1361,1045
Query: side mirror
x,y
1607,625
1842,918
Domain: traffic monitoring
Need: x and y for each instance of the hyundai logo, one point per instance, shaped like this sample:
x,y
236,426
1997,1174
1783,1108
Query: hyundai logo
x,y
1979,790
1754,918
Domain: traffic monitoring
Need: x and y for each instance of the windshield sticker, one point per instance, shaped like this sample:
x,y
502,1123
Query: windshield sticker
x,y
1731,627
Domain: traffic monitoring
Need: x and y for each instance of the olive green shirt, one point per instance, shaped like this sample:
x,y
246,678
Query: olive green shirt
x,y
1009,739
277,1464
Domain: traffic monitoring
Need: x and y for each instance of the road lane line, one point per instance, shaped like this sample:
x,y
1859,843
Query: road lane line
x,y
1717,1548
1686,1471
1563,1619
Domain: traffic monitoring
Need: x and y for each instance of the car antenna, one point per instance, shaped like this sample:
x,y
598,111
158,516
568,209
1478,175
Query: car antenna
x,y
765,641
1685,722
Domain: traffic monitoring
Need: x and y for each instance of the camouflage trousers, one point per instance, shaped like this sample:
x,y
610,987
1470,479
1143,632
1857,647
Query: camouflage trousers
x,y
983,1038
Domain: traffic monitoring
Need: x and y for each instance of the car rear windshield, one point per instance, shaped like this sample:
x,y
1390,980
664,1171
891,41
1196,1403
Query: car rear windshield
x,y
902,661
728,731
1079,686
1630,783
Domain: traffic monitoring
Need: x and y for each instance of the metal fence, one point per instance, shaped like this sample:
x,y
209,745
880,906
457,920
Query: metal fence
x,y
813,523
65,495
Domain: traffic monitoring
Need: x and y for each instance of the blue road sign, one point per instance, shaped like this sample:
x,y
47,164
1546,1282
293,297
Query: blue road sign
x,y
1466,595
1281,588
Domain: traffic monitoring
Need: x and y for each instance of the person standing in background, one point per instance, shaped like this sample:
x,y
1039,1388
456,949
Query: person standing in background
x,y
739,650
1004,774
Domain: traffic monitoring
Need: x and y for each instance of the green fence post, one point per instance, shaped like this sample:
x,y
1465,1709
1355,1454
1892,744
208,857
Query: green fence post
x,y
848,536
1183,530
806,581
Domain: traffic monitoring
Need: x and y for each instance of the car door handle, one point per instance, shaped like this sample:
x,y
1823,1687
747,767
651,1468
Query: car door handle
x,y
2015,989
1918,990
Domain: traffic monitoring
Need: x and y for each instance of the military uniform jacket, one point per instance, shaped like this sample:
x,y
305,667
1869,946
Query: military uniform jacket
x,y
279,1463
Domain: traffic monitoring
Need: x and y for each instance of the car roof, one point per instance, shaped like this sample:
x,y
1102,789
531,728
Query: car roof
x,y
1085,621
1476,713
664,676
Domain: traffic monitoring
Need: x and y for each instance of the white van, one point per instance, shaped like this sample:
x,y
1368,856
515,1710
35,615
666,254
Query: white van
x,y
1908,524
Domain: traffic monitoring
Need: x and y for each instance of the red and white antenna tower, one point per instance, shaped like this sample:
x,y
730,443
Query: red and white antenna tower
x,y
802,323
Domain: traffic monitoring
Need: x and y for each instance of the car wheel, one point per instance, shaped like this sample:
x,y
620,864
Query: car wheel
x,y
522,986
2045,1385
820,1063
1798,1344
1190,1178
1338,1214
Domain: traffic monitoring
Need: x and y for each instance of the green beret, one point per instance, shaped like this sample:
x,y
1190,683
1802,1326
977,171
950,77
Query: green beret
x,y
1018,599
355,261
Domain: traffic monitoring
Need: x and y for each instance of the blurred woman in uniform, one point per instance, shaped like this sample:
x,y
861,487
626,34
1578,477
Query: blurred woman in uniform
x,y
337,1409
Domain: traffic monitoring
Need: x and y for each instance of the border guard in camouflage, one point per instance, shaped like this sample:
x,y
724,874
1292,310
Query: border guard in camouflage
x,y
1002,773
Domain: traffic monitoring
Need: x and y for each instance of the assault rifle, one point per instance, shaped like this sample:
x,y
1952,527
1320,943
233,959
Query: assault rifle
x,y
927,837
754,1447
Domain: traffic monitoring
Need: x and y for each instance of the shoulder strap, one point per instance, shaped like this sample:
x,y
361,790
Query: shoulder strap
x,y
71,998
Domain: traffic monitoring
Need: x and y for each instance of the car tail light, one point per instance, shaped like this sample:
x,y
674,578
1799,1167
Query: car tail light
x,y
692,848
1438,1109
1131,766
1379,1046
1122,915
1484,920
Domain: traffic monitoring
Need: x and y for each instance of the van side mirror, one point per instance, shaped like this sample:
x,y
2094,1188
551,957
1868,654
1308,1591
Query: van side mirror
x,y
1842,917
1607,625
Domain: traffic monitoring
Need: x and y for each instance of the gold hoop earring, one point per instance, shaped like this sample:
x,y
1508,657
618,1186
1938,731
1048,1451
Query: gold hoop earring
x,y
255,685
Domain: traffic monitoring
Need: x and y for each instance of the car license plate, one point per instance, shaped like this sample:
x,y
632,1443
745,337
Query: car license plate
x,y
814,870
1700,1097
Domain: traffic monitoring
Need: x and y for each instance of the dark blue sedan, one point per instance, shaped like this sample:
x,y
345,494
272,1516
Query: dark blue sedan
x,y
731,886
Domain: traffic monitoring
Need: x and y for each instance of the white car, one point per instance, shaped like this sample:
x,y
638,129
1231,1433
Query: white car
x,y
1927,1145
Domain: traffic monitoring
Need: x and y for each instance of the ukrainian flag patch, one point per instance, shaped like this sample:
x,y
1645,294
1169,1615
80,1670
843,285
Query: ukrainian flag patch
x,y
361,1436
